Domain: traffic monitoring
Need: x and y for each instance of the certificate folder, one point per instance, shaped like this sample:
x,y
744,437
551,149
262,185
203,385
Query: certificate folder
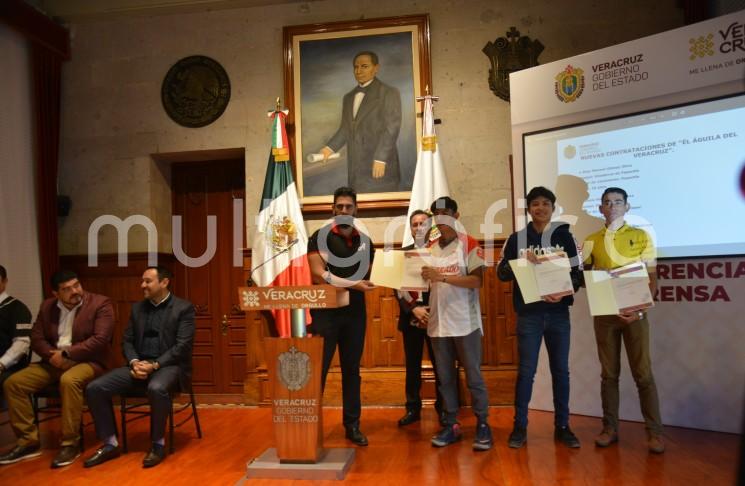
x,y
400,270
550,276
621,290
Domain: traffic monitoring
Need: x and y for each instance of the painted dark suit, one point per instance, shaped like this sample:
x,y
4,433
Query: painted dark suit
x,y
369,136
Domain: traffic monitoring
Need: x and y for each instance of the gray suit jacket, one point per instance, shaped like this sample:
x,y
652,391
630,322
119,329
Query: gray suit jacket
x,y
176,336
371,135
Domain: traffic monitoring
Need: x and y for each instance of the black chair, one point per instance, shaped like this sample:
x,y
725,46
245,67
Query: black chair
x,y
139,395
52,407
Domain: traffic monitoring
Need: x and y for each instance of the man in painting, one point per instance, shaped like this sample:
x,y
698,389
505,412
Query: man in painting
x,y
370,123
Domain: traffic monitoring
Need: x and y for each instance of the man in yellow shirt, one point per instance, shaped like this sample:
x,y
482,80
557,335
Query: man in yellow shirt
x,y
614,246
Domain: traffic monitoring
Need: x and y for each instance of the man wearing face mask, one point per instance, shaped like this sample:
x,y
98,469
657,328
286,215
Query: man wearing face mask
x,y
370,124
340,255
454,325
72,334
413,318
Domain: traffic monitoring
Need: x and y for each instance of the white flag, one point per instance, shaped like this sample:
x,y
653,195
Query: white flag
x,y
430,181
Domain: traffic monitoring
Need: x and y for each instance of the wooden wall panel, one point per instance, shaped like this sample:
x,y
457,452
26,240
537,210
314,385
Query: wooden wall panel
x,y
383,359
120,284
383,372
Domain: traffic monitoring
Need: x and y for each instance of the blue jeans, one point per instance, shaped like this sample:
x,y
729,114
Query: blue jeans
x,y
553,327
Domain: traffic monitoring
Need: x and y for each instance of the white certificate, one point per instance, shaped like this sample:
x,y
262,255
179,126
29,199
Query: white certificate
x,y
631,288
552,275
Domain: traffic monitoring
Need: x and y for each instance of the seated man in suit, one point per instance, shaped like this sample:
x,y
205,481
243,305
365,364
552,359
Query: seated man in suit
x,y
15,332
157,345
72,334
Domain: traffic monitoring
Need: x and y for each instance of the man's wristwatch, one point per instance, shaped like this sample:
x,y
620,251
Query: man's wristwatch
x,y
640,315
156,365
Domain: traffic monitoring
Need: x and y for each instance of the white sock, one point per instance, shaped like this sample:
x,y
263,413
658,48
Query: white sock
x,y
111,440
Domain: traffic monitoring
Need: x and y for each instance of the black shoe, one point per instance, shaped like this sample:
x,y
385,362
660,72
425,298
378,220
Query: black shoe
x,y
155,456
103,454
566,437
354,434
20,453
450,434
518,437
484,440
66,456
409,418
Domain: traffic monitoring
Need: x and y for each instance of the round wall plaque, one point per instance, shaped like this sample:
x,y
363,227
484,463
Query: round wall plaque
x,y
195,91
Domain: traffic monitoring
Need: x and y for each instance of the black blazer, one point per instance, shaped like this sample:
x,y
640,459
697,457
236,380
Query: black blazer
x,y
404,308
372,135
176,336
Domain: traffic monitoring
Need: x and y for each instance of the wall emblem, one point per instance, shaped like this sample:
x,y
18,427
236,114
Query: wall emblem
x,y
569,84
195,91
294,369
507,55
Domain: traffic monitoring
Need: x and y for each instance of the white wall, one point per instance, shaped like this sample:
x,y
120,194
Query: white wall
x,y
19,248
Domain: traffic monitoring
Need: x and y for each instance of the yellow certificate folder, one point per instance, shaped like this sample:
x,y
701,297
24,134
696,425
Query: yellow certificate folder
x,y
549,277
621,290
400,270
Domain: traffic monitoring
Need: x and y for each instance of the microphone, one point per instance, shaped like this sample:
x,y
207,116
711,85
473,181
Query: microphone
x,y
279,253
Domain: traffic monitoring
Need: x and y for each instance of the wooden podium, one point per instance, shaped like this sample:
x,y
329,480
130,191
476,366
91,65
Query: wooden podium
x,y
294,366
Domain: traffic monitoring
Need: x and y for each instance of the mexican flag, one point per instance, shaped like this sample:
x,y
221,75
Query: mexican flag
x,y
280,245
430,181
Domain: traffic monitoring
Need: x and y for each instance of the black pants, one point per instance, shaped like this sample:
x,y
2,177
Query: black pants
x,y
344,327
98,393
414,341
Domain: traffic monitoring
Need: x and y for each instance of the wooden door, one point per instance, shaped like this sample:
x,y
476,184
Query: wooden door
x,y
202,190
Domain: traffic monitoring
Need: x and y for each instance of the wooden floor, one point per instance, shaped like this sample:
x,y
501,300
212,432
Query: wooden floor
x,y
233,436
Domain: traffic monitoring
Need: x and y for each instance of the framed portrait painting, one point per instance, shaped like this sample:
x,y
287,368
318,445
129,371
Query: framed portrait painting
x,y
351,89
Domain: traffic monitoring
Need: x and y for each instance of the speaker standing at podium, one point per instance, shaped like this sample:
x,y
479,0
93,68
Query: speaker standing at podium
x,y
340,255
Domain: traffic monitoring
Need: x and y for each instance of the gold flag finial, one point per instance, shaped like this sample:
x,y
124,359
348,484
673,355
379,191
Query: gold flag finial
x,y
278,103
426,89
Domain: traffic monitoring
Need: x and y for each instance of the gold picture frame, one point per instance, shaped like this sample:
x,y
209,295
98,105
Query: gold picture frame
x,y
319,76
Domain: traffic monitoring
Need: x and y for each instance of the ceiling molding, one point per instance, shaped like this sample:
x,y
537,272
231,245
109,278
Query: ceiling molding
x,y
78,11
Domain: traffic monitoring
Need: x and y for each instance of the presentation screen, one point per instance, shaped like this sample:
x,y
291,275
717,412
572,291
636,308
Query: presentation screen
x,y
680,166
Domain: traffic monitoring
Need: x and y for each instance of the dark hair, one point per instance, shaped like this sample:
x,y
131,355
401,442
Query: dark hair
x,y
373,56
617,190
417,213
61,277
445,202
540,191
163,272
3,273
345,191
